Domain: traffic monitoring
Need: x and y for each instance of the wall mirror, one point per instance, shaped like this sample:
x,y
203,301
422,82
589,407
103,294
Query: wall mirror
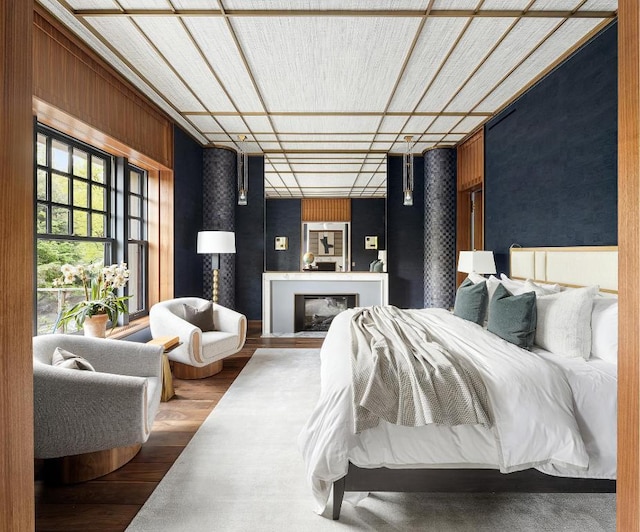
x,y
328,245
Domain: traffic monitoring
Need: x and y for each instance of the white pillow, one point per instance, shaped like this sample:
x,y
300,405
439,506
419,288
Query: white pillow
x,y
515,287
540,289
604,329
564,322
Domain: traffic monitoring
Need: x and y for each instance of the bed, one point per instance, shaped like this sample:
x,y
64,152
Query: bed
x,y
562,440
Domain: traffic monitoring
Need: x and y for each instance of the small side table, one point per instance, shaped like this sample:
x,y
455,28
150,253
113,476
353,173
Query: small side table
x,y
168,343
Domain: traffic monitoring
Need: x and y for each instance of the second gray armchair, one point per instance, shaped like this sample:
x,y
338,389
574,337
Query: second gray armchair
x,y
200,352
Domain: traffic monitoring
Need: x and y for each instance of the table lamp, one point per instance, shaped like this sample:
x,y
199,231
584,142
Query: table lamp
x,y
216,242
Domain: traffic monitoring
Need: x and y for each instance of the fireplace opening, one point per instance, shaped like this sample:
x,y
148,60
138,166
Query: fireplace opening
x,y
315,312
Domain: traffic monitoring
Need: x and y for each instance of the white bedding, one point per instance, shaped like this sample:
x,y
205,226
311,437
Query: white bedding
x,y
583,446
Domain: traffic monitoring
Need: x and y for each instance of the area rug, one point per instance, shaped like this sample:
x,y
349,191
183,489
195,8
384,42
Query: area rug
x,y
242,471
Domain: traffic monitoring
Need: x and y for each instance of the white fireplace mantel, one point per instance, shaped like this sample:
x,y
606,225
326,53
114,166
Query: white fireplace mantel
x,y
279,290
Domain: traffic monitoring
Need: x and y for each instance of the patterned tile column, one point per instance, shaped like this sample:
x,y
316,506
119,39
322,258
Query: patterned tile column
x,y
218,214
439,227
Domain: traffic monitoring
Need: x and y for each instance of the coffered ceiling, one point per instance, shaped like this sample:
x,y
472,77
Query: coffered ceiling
x,y
326,88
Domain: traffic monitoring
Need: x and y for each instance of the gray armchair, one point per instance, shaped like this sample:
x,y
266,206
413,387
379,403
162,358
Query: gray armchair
x,y
200,353
94,417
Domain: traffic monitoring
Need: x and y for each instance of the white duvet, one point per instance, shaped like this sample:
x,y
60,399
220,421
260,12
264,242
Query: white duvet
x,y
555,414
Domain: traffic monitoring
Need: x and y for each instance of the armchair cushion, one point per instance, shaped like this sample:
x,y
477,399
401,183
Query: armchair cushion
x,y
201,317
66,359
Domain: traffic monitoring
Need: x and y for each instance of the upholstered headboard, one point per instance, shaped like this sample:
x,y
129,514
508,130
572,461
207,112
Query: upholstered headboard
x,y
570,266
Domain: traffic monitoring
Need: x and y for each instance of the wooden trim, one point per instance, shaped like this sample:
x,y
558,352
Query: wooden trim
x,y
16,267
628,498
83,467
326,210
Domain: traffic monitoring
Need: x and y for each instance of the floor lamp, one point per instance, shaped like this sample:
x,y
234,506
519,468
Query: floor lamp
x,y
216,242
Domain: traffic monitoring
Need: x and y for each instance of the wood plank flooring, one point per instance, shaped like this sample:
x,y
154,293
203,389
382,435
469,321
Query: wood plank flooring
x,y
111,502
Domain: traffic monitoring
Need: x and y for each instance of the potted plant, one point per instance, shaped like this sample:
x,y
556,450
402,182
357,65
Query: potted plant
x,y
101,302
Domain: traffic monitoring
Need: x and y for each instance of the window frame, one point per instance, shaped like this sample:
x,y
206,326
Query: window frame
x,y
116,214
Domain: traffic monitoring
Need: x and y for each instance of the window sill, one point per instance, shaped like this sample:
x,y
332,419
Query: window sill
x,y
134,326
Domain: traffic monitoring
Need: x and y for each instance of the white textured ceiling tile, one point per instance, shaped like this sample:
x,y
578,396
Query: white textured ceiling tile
x,y
497,5
218,137
322,146
431,137
457,137
196,4
213,37
206,124
171,38
569,34
436,39
481,35
130,43
383,146
335,167
274,146
333,137
259,123
520,41
444,124
93,4
325,63
326,180
393,124
248,147
233,123
386,136
555,5
327,4
418,124
469,123
277,167
599,5
144,4
455,4
325,124
265,137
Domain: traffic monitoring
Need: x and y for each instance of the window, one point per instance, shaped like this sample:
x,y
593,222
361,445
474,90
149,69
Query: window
x,y
76,220
137,244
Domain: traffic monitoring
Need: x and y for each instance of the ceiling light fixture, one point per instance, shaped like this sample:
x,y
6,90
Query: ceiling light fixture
x,y
243,171
407,172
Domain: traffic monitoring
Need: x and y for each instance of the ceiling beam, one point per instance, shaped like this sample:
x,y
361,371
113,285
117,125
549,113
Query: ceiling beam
x,y
382,13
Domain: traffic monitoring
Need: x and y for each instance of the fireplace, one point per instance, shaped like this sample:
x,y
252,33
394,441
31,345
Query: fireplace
x,y
314,312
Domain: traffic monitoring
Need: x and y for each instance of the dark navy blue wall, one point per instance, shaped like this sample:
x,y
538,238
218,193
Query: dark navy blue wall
x,y
367,219
405,236
187,175
250,244
283,219
551,157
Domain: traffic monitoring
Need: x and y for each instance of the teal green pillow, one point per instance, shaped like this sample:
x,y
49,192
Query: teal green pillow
x,y
471,301
513,318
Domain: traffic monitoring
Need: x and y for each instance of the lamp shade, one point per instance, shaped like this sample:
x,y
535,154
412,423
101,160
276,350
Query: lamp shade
x,y
216,242
477,262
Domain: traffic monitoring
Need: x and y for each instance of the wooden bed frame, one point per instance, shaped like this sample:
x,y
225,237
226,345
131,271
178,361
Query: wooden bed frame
x,y
547,265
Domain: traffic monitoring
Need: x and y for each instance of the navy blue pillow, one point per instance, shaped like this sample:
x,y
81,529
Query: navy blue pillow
x,y
471,301
513,318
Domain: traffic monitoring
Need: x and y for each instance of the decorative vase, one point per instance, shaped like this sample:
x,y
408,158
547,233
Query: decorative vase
x,y
96,326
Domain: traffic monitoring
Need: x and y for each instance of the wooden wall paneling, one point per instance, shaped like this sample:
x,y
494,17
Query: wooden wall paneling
x,y
69,76
166,239
470,178
326,210
16,267
628,485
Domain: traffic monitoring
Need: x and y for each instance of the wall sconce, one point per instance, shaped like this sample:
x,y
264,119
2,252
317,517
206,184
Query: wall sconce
x,y
407,173
243,171
282,243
